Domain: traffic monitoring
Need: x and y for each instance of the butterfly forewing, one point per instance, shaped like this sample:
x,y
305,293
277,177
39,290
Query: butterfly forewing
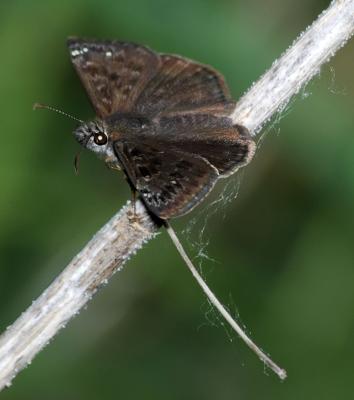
x,y
123,76
182,84
113,73
171,182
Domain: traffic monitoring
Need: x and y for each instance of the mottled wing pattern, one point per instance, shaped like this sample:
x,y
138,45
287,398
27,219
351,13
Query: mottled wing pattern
x,y
210,133
113,73
193,141
182,84
170,181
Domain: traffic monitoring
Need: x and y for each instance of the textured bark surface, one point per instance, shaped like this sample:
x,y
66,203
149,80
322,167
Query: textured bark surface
x,y
296,66
104,255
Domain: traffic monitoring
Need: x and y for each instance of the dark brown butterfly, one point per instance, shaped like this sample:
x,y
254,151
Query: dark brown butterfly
x,y
162,119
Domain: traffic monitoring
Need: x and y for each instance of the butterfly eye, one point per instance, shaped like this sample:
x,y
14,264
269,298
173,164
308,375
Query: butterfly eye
x,y
100,138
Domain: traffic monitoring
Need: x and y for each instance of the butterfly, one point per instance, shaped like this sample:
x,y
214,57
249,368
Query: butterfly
x,y
160,118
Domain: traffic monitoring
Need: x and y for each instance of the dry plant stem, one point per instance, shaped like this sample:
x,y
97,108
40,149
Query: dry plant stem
x,y
106,253
120,237
216,303
296,66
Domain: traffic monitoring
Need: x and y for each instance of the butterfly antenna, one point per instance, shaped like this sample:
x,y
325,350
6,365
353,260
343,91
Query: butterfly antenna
x,y
37,106
222,310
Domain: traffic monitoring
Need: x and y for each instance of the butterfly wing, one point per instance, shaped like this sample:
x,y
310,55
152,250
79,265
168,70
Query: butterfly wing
x,y
193,141
113,73
171,182
181,83
125,77
210,133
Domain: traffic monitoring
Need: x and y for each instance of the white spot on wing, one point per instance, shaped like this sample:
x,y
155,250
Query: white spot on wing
x,y
75,53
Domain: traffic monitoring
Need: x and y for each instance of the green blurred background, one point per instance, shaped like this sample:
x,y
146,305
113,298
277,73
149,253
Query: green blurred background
x,y
283,249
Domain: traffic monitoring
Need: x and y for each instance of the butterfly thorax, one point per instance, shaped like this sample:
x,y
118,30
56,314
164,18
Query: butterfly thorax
x,y
126,125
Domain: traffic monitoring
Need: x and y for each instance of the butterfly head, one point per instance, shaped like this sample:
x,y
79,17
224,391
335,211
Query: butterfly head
x,y
93,135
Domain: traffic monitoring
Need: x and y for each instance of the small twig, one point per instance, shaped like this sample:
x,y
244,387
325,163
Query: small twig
x,y
213,299
120,238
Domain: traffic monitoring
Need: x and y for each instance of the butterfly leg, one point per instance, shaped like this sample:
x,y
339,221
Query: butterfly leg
x,y
134,201
133,217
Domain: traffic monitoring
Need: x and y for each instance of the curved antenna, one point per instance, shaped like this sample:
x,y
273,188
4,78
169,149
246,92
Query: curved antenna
x,y
37,106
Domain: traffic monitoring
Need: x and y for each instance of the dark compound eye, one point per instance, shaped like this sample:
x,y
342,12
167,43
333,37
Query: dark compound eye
x,y
100,138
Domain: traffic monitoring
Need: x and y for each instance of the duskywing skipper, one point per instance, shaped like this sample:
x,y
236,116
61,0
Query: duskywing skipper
x,y
162,119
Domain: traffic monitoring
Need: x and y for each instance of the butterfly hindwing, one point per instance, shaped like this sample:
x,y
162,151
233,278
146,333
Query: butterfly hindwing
x,y
170,182
113,73
210,133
